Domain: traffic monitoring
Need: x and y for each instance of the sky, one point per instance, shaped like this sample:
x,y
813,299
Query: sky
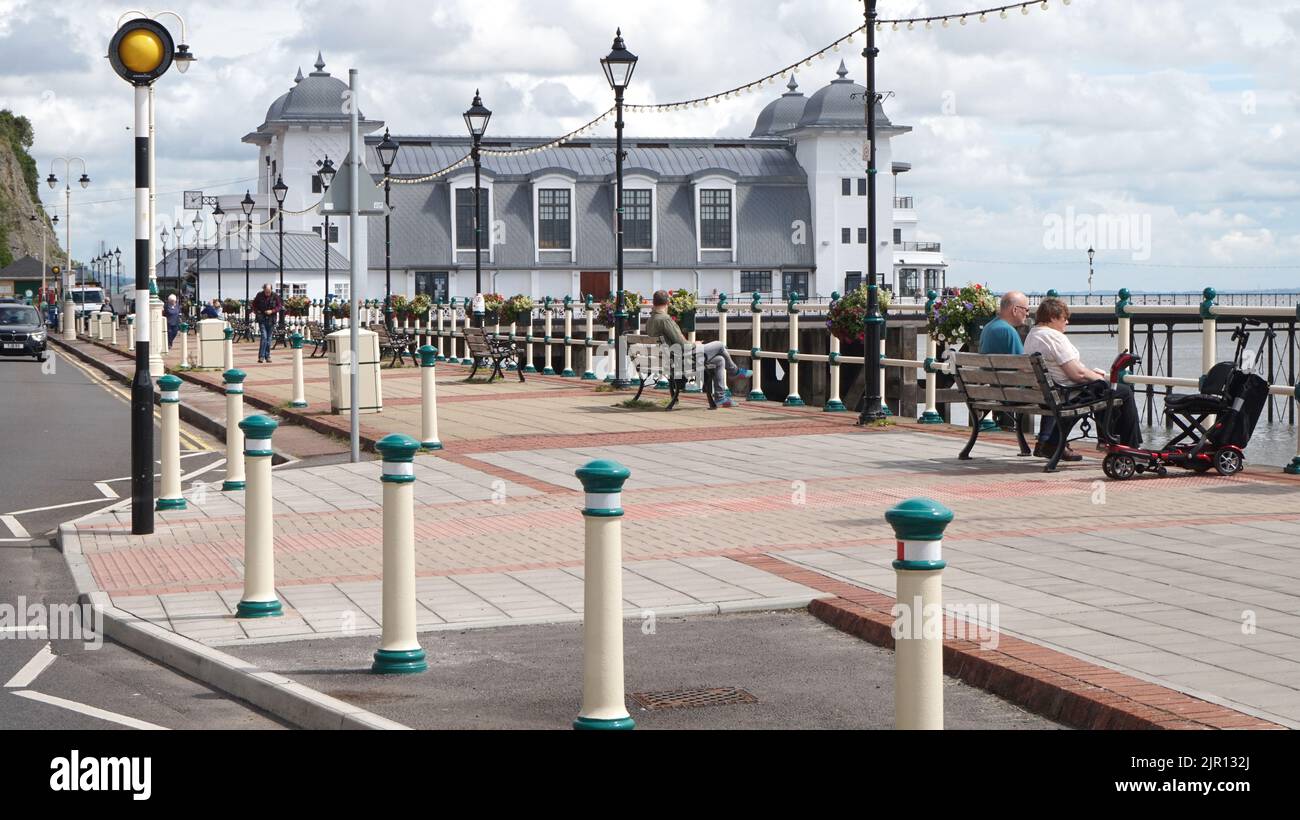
x,y
1162,132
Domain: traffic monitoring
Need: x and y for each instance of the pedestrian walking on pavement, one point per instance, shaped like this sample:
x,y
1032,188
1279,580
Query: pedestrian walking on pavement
x,y
266,304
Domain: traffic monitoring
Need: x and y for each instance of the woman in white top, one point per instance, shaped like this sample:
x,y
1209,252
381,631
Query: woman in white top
x,y
1066,367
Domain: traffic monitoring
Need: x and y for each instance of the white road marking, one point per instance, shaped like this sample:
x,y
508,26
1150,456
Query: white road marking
x,y
92,711
108,491
39,662
17,529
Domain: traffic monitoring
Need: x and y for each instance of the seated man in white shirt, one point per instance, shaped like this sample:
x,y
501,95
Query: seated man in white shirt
x,y
1065,367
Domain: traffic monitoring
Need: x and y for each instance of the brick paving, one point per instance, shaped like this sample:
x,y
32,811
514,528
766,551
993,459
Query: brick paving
x,y
1184,584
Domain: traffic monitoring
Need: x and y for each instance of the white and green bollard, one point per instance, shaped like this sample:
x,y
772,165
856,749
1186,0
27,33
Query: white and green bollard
x,y
228,350
568,339
756,347
528,346
602,599
793,399
467,360
170,496
613,351
1123,322
442,315
234,381
428,400
589,375
399,650
113,331
918,614
299,388
548,314
259,600
834,404
130,334
184,329
931,413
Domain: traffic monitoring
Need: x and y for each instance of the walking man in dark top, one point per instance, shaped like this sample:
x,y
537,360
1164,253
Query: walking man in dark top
x,y
266,305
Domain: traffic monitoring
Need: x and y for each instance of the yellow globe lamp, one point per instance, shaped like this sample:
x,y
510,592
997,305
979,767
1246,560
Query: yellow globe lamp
x,y
141,51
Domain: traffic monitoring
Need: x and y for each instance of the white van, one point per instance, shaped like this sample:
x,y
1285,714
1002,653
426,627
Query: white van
x,y
87,298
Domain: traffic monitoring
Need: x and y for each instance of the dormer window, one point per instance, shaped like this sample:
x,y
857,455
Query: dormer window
x,y
555,200
554,219
715,219
465,218
638,228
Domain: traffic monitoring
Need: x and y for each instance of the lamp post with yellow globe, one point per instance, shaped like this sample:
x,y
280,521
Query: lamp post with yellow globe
x,y
140,52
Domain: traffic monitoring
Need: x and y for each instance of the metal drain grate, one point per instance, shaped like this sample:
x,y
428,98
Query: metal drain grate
x,y
691,698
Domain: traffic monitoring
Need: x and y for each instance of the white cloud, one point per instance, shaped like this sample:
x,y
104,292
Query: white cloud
x,y
1179,109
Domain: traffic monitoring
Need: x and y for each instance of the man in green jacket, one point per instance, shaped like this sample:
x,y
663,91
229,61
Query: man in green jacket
x,y
714,354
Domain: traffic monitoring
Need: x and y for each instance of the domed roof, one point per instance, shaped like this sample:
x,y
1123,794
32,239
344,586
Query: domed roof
x,y
781,114
318,96
273,113
839,105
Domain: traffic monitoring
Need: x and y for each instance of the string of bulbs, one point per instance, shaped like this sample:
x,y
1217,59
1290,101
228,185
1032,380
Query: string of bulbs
x,y
944,20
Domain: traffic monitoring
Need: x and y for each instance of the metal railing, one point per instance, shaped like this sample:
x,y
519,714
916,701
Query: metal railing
x,y
917,247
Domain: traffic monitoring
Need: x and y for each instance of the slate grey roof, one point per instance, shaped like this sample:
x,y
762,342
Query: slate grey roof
x,y
303,251
840,105
781,114
594,159
765,211
29,267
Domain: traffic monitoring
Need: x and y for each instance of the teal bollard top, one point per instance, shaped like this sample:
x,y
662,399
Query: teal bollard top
x,y
398,452
229,333
428,356
602,481
919,519
295,341
257,435
169,389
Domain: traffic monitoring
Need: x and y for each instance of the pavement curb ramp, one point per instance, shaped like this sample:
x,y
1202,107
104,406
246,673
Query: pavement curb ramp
x,y
1042,680
280,696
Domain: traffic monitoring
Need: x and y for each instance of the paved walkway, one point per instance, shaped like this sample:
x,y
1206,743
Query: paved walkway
x,y
1187,581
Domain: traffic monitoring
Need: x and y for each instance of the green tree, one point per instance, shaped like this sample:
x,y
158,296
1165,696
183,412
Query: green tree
x,y
17,131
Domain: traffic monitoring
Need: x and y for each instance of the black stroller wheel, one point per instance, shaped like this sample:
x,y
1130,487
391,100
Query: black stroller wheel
x,y
1228,462
1119,466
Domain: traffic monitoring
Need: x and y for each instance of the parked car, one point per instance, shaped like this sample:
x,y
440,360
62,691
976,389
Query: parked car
x,y
22,333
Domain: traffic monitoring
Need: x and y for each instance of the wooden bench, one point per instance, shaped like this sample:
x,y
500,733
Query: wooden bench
x,y
314,334
499,351
394,342
1019,385
653,360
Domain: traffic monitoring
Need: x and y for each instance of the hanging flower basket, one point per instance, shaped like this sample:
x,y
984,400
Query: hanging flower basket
x,y
959,316
847,319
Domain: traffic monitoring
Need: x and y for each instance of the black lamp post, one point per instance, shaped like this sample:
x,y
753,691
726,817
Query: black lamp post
x,y
280,190
619,66
162,238
178,230
872,396
117,280
476,119
198,262
219,216
1091,254
247,204
387,151
326,177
